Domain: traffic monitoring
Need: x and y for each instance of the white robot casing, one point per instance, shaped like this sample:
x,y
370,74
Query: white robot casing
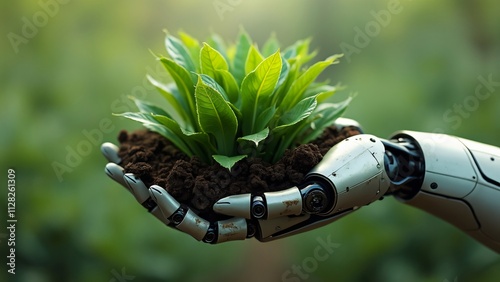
x,y
461,184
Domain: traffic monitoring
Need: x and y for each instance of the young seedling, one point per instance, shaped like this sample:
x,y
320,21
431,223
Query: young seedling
x,y
227,103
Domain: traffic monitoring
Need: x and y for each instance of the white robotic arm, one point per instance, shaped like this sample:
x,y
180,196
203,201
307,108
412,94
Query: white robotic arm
x,y
455,179
460,183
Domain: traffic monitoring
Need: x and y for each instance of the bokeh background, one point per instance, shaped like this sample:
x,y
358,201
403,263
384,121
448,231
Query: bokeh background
x,y
63,77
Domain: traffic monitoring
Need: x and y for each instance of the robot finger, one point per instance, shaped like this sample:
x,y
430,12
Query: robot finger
x,y
116,173
185,220
110,152
268,205
141,194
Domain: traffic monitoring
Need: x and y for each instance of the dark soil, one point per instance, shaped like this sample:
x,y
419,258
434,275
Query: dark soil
x,y
156,161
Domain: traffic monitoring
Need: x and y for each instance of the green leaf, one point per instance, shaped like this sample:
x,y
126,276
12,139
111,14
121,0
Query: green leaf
x,y
188,40
257,87
170,123
290,53
184,84
289,126
193,47
148,108
254,58
198,142
151,123
324,92
264,118
216,117
140,117
285,81
178,106
285,70
327,92
214,65
240,57
171,136
255,138
236,111
325,115
209,81
299,112
300,85
211,60
302,49
218,44
299,52
272,45
227,81
228,162
179,53
287,140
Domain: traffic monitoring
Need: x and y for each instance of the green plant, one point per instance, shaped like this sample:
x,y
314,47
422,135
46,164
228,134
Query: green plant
x,y
227,103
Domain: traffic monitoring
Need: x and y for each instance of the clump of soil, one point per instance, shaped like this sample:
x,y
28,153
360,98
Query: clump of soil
x,y
156,161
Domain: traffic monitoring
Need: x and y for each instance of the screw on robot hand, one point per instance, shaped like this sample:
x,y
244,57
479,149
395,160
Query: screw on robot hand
x,y
315,199
251,229
211,235
258,207
178,215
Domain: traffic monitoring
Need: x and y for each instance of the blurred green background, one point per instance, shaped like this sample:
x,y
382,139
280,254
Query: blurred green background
x,y
62,77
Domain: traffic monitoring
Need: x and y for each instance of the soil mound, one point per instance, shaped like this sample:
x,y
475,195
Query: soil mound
x,y
156,161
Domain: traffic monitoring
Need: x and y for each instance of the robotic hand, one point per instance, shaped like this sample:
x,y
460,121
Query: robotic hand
x,y
455,179
164,207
